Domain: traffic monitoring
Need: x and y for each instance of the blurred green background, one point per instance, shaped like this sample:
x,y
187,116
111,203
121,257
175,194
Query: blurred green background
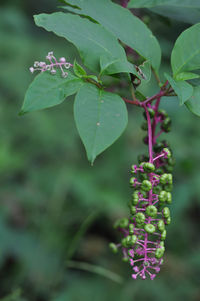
x,y
56,210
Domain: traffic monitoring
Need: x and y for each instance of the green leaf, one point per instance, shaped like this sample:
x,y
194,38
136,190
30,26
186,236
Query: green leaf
x,y
193,104
152,3
185,10
100,117
183,89
48,90
146,3
114,66
92,40
78,70
186,76
124,25
186,52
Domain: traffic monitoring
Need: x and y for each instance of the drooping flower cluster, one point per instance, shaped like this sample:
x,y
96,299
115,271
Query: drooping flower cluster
x,y
52,65
144,232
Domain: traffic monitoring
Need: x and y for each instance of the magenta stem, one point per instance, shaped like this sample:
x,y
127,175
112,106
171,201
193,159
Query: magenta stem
x,y
149,134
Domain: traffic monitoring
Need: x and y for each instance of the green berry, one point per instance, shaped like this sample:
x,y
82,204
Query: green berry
x,y
162,244
163,235
139,217
159,252
166,212
113,247
149,228
162,196
129,240
167,151
166,178
132,180
151,113
169,198
163,113
135,199
133,210
125,259
124,242
146,185
148,167
167,122
168,220
161,225
131,229
133,239
121,223
151,211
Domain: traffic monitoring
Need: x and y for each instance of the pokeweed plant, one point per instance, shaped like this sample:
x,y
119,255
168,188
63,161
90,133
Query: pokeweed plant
x,y
105,33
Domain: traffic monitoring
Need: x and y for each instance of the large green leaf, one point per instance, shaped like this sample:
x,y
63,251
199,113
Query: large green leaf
x,y
152,3
186,52
100,117
48,90
92,40
183,89
193,104
185,10
146,3
123,24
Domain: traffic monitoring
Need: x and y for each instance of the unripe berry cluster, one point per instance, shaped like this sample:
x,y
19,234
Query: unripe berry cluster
x,y
144,231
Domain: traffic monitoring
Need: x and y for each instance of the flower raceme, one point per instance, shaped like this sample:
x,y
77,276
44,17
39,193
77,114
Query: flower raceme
x,y
144,232
53,64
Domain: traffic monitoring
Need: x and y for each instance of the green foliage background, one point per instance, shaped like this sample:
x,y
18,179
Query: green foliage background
x,y
55,207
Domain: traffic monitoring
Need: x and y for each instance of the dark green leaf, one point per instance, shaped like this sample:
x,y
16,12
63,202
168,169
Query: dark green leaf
x,y
186,52
48,90
124,25
181,14
185,10
193,104
183,89
100,117
92,40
